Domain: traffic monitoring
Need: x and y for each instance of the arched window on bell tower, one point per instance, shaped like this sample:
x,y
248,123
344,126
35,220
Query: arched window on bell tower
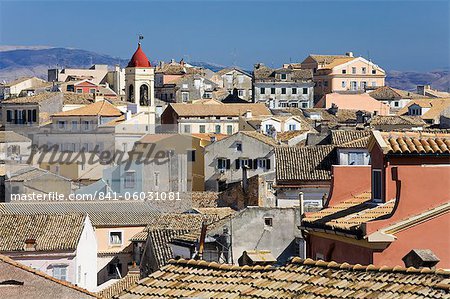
x,y
131,93
143,95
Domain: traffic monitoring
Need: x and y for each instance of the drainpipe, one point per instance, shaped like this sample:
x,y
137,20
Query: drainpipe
x,y
302,243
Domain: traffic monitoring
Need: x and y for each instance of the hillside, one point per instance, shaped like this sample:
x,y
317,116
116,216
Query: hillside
x,y
19,61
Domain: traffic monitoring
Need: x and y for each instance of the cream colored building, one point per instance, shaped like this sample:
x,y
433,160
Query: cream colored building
x,y
210,116
342,73
26,86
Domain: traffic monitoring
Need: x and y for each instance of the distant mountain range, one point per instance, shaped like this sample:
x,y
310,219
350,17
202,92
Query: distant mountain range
x,y
21,61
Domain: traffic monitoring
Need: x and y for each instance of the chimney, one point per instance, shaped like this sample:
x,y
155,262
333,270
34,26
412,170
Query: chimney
x,y
421,258
301,203
134,269
421,89
128,115
201,245
349,54
248,114
30,245
333,109
244,177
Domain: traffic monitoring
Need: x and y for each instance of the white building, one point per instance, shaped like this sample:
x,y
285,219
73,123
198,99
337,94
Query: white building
x,y
63,246
284,87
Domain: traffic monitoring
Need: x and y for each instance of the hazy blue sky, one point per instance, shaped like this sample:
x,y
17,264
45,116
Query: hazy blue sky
x,y
399,35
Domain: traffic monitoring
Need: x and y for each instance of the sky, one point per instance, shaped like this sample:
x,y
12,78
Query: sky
x,y
397,35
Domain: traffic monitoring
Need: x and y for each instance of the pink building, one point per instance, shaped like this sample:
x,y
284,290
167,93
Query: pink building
x,y
378,214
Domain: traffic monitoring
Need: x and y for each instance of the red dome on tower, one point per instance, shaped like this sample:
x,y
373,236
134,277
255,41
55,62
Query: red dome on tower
x,y
139,59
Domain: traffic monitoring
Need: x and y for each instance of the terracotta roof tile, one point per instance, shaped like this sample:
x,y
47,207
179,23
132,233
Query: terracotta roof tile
x,y
416,143
304,164
349,214
51,232
194,110
100,108
300,278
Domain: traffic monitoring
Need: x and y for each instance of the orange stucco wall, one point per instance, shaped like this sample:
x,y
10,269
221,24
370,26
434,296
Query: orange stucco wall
x,y
432,234
347,181
338,251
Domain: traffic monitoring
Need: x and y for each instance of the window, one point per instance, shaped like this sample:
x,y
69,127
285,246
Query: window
x,y
185,96
305,90
115,269
376,184
202,129
344,84
356,158
294,90
263,90
79,90
241,92
60,272
374,84
191,155
115,238
363,85
187,129
353,85
396,104
74,125
353,70
223,163
229,129
239,146
283,90
283,76
325,83
61,125
305,105
363,70
207,95
130,180
268,221
92,90
269,129
295,105
86,125
9,116
374,72
272,90
344,71
292,127
217,129
263,163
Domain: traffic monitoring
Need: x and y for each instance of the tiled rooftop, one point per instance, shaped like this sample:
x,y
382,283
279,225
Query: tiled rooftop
x,y
416,143
299,279
307,163
51,232
348,215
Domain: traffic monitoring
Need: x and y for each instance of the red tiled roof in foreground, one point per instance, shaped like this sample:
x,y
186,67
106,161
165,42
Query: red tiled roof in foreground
x,y
412,142
299,279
